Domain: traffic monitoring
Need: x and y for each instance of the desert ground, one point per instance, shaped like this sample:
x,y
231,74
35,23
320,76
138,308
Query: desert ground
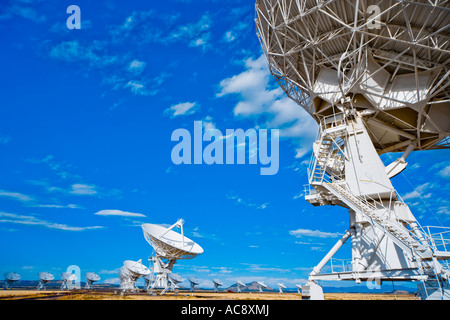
x,y
184,295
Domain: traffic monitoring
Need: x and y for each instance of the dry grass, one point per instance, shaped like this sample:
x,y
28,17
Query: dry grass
x,y
200,295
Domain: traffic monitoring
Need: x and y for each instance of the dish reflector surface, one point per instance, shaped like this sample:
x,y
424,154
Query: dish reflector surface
x,y
46,276
12,276
91,276
170,244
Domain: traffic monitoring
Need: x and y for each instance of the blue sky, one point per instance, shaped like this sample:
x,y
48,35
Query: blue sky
x,y
86,118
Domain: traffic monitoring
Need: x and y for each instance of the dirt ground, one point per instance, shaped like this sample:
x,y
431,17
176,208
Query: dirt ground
x,y
183,295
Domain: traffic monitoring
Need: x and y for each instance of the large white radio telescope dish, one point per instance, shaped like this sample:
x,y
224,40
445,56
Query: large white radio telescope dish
x,y
375,76
44,278
91,277
170,244
130,272
67,280
169,247
217,283
389,60
240,285
10,278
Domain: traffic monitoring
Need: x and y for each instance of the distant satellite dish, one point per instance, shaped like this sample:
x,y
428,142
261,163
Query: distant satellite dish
x,y
261,285
174,280
194,282
281,287
91,277
130,272
44,277
170,246
67,280
299,288
11,277
217,284
240,285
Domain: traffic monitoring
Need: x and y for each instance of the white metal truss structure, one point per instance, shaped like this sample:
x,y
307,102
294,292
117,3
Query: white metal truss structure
x,y
375,77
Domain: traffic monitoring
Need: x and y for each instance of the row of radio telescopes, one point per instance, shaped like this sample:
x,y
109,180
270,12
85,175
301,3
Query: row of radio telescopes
x,y
45,277
169,246
174,279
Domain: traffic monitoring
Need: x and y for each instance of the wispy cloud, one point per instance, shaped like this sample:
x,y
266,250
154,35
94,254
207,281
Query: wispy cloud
x,y
92,54
445,172
83,189
196,34
299,233
136,67
263,268
34,221
247,202
16,196
23,10
181,109
418,192
118,213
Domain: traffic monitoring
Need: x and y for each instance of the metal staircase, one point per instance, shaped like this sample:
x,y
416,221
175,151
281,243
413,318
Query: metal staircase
x,y
330,187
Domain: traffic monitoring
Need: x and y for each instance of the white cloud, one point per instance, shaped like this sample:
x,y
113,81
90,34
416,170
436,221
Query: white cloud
x,y
418,192
443,210
266,102
182,109
21,9
299,233
118,213
58,206
92,54
16,196
248,202
233,34
136,67
445,172
197,34
83,189
33,221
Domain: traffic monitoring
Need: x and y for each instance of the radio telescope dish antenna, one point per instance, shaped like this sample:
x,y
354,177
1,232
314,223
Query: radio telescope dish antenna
x,y
174,280
261,285
10,278
217,283
44,278
67,280
193,282
375,77
299,288
130,272
281,286
169,246
91,277
240,286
